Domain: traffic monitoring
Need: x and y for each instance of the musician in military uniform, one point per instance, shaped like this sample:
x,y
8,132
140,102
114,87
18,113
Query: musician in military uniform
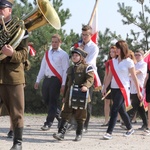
x,y
12,78
81,75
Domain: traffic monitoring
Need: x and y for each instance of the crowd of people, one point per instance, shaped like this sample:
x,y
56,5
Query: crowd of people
x,y
125,84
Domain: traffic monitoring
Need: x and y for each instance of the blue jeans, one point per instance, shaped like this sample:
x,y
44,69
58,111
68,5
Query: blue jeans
x,y
118,107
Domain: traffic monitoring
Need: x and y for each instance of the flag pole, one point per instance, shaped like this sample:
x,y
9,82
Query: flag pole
x,y
93,13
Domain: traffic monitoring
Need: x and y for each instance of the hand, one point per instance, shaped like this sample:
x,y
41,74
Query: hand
x,y
36,85
84,88
7,50
140,96
103,91
62,89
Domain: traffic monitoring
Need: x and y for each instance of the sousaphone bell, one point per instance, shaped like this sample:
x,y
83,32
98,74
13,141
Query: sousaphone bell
x,y
14,31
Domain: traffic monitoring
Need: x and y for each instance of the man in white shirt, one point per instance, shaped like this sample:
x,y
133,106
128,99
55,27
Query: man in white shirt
x,y
141,70
92,50
53,69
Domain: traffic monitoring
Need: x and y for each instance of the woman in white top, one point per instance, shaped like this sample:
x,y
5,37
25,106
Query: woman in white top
x,y
118,75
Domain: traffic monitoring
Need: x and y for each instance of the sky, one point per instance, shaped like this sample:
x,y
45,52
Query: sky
x,y
108,17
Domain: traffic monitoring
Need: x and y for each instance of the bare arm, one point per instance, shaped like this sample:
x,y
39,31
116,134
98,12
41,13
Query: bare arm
x,y
107,82
133,75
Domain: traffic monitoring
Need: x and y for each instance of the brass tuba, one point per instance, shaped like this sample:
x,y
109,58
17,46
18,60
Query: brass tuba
x,y
14,31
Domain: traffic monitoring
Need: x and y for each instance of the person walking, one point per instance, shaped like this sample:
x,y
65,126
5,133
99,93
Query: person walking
x,y
120,68
92,50
108,100
53,69
81,75
140,69
12,80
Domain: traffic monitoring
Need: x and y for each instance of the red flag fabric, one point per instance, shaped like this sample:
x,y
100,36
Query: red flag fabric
x,y
32,51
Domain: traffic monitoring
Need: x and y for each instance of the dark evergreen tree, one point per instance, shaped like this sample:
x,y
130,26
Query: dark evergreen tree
x,y
140,20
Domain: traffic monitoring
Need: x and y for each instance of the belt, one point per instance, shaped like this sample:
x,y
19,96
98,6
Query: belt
x,y
50,76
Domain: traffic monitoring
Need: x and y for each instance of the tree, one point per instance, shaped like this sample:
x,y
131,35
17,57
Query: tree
x,y
141,21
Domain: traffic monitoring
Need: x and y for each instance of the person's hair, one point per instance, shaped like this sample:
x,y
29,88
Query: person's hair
x,y
140,51
112,47
57,36
124,50
87,28
131,55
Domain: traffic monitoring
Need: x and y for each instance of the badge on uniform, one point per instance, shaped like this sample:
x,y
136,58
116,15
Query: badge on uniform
x,y
77,98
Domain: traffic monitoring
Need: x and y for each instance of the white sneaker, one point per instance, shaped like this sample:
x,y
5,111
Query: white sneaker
x,y
146,132
129,132
107,136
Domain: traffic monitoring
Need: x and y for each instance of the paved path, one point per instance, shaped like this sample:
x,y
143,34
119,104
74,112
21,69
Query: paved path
x,y
35,139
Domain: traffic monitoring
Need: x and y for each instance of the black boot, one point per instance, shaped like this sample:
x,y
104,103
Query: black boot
x,y
61,130
79,132
17,141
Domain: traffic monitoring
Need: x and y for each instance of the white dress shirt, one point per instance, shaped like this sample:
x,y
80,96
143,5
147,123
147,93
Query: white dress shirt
x,y
122,69
92,50
142,67
61,61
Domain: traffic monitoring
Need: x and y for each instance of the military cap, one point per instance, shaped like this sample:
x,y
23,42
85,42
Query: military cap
x,y
6,3
79,51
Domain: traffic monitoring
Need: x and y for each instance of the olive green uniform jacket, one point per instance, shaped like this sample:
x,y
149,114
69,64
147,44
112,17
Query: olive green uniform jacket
x,y
83,76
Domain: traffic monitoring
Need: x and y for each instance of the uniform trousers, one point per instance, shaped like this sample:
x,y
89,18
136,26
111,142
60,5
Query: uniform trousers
x,y
79,114
13,98
50,93
118,107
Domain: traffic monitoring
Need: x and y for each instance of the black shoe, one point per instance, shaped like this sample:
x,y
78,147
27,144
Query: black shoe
x,y
78,138
10,134
58,136
45,127
143,127
16,147
118,121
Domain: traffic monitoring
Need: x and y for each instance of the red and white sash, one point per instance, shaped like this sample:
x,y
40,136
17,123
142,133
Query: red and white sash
x,y
52,68
124,90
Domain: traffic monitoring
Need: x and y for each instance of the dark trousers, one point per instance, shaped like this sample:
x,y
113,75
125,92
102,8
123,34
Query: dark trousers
x,y
12,97
118,107
136,107
89,109
51,92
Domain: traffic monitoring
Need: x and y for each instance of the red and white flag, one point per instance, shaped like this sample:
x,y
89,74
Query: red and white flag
x,y
94,38
94,25
32,51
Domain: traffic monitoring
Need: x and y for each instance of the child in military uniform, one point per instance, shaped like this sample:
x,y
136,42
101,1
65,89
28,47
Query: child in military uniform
x,y
80,74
